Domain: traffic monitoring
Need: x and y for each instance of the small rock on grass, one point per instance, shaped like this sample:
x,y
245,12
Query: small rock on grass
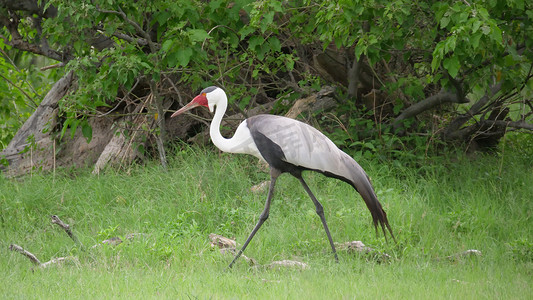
x,y
287,264
359,247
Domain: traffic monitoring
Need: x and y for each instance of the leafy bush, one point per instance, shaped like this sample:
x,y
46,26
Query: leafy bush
x,y
385,57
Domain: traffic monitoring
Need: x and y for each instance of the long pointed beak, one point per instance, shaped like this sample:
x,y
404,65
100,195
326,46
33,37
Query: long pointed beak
x,y
187,107
199,100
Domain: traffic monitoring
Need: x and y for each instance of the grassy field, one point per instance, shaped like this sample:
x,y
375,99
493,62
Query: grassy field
x,y
437,209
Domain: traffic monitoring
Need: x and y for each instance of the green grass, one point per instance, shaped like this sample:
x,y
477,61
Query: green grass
x,y
437,209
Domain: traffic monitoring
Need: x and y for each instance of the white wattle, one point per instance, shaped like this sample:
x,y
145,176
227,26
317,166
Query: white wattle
x,y
241,142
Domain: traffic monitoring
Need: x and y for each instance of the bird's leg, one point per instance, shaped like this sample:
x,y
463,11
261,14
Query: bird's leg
x,y
320,212
274,173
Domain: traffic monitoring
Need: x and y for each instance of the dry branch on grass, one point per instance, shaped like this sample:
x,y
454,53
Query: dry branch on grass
x,y
56,220
36,261
59,260
29,255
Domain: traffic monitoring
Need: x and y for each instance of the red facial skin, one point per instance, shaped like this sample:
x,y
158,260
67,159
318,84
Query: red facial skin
x,y
200,100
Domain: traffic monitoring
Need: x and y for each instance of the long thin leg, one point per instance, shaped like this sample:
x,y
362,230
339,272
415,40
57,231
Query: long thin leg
x,y
320,212
274,173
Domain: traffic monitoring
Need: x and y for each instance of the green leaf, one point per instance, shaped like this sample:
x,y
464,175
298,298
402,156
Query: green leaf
x,y
338,43
276,6
450,43
262,51
244,102
452,65
444,22
87,131
198,35
275,44
474,39
359,49
255,41
65,127
496,34
245,31
255,72
184,56
98,103
215,4
161,17
73,127
166,46
289,63
268,18
78,46
475,25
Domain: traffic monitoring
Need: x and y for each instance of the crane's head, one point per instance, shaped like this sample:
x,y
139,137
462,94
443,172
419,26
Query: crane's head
x,y
208,97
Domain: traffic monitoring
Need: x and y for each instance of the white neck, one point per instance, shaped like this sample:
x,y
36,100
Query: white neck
x,y
221,142
241,142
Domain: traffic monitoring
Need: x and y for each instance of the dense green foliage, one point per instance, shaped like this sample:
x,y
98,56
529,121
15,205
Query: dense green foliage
x,y
437,210
191,43
387,57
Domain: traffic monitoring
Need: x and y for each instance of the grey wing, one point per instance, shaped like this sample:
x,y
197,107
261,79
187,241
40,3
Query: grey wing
x,y
305,146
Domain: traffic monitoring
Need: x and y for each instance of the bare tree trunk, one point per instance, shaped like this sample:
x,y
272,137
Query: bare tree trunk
x,y
353,76
122,149
32,136
160,137
355,69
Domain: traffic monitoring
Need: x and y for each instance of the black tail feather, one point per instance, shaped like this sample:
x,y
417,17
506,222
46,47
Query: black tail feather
x,y
379,216
361,183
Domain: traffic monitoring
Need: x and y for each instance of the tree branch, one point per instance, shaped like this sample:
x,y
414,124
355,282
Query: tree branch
x,y
492,128
36,261
17,40
512,124
160,137
426,104
31,6
56,220
29,255
122,36
135,25
452,131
